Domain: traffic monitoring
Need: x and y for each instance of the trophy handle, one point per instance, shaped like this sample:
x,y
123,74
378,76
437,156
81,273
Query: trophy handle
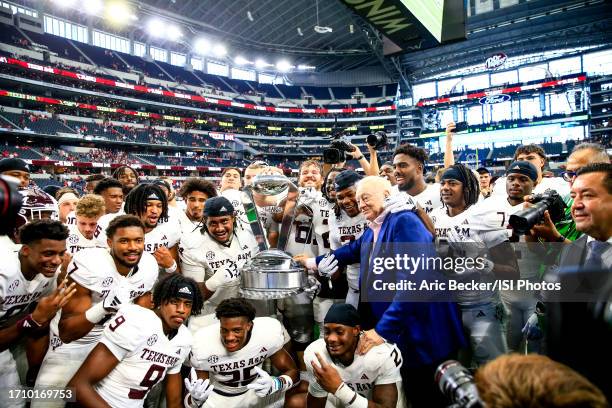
x,y
253,218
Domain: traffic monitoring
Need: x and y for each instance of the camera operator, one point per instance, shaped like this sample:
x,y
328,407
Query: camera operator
x,y
10,204
565,230
342,149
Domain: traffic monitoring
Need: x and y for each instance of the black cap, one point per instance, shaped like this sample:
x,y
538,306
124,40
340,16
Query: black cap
x,y
218,206
523,167
13,163
344,314
482,170
345,179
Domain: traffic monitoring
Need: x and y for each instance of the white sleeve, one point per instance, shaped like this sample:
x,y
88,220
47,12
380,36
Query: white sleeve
x,y
389,370
314,388
125,331
80,272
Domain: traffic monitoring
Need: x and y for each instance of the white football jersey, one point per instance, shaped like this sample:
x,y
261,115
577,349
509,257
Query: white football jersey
x,y
235,197
429,199
474,224
379,366
167,235
231,372
76,241
554,183
71,218
342,230
136,338
16,292
307,230
103,222
95,270
174,214
201,257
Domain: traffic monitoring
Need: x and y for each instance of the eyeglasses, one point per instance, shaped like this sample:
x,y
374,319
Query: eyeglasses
x,y
569,175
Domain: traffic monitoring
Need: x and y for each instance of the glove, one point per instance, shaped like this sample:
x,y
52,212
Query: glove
x,y
400,202
308,196
532,329
328,265
222,277
198,389
265,384
117,296
314,287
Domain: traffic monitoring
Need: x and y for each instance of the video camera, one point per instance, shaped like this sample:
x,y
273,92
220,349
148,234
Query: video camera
x,y
336,152
377,140
457,384
10,204
522,221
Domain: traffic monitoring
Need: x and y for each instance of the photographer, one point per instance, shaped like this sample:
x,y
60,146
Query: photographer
x,y
342,149
565,230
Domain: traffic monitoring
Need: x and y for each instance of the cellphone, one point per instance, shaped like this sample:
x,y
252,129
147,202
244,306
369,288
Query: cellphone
x,y
461,127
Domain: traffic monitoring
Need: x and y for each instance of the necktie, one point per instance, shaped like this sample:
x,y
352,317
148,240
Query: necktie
x,y
594,258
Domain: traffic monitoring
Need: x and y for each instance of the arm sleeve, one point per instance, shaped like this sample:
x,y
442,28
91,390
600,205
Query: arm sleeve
x,y
125,332
313,386
80,272
389,370
348,254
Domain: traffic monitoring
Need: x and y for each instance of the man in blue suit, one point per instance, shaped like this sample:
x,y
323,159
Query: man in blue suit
x,y
427,333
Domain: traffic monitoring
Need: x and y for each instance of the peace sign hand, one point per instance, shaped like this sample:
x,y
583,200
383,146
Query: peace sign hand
x,y
49,305
326,375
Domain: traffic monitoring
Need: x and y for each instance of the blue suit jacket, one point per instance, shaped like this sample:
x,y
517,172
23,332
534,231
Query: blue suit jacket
x,y
425,332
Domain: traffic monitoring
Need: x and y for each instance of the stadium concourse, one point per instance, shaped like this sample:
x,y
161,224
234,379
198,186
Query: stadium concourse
x,y
338,203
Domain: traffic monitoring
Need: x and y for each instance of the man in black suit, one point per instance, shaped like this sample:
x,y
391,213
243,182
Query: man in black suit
x,y
580,333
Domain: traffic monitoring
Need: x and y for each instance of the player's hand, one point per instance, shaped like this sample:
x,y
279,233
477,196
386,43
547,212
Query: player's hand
x,y
400,202
546,229
163,256
264,384
271,170
117,296
198,389
367,340
326,375
328,265
49,305
308,196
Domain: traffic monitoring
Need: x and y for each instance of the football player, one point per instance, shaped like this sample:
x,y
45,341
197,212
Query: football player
x,y
128,178
343,378
27,282
89,209
91,182
409,163
215,256
347,224
387,171
230,353
195,192
104,280
35,205
460,222
111,191
67,199
14,167
149,203
139,348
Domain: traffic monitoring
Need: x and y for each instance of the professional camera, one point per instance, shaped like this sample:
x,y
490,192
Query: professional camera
x,y
457,384
377,140
10,204
522,221
336,152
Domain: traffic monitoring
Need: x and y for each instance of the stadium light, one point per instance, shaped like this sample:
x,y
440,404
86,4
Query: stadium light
x,y
118,12
94,7
156,28
261,63
303,67
219,50
240,60
64,3
173,33
202,46
283,66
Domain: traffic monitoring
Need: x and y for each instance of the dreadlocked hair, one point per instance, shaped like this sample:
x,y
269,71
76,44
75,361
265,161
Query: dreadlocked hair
x,y
471,187
324,186
235,307
168,287
136,200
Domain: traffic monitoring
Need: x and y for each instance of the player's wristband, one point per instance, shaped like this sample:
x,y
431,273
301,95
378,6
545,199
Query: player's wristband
x,y
96,313
172,268
282,383
350,398
189,403
28,324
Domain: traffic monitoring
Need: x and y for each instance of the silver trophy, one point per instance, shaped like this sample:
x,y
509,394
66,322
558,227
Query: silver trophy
x,y
272,273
